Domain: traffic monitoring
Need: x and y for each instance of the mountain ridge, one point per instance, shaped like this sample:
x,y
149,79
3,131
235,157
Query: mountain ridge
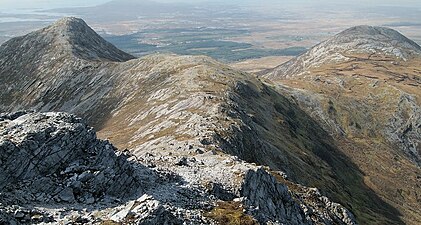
x,y
186,108
165,111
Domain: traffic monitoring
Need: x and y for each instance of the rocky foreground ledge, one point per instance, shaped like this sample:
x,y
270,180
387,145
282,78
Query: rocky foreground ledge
x,y
53,170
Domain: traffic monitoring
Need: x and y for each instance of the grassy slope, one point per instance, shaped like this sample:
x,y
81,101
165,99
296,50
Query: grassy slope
x,y
360,97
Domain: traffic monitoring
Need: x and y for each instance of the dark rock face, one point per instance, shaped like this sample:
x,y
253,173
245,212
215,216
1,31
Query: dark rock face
x,y
57,157
271,200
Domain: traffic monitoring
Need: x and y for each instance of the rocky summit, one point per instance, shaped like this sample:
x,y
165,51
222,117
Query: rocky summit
x,y
196,141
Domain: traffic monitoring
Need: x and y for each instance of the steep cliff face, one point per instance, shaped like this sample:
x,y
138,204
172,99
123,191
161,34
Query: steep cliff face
x,y
362,86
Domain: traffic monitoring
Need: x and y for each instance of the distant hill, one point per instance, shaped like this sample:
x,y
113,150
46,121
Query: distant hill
x,y
363,86
367,40
122,10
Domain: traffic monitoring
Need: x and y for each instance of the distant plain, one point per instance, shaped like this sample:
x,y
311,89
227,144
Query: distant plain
x,y
239,34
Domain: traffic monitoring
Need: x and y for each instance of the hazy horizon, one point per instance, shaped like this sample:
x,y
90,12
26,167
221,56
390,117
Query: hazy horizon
x,y
50,4
217,28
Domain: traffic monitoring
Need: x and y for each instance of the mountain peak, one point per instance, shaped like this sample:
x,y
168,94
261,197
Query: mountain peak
x,y
69,22
359,41
380,38
68,36
84,42
67,28
367,30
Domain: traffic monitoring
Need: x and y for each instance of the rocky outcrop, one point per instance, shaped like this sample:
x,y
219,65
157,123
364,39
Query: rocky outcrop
x,y
56,157
271,201
404,127
53,166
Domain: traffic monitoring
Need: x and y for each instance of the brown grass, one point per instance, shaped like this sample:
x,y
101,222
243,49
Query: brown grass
x,y
362,106
109,222
230,213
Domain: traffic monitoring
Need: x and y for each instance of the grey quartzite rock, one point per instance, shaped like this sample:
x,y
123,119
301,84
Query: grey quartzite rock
x,y
58,155
55,170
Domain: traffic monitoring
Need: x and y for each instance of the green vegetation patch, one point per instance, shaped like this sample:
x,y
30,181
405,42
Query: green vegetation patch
x,y
200,41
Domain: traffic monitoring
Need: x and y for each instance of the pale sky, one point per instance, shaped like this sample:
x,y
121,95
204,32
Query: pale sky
x,y
48,4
